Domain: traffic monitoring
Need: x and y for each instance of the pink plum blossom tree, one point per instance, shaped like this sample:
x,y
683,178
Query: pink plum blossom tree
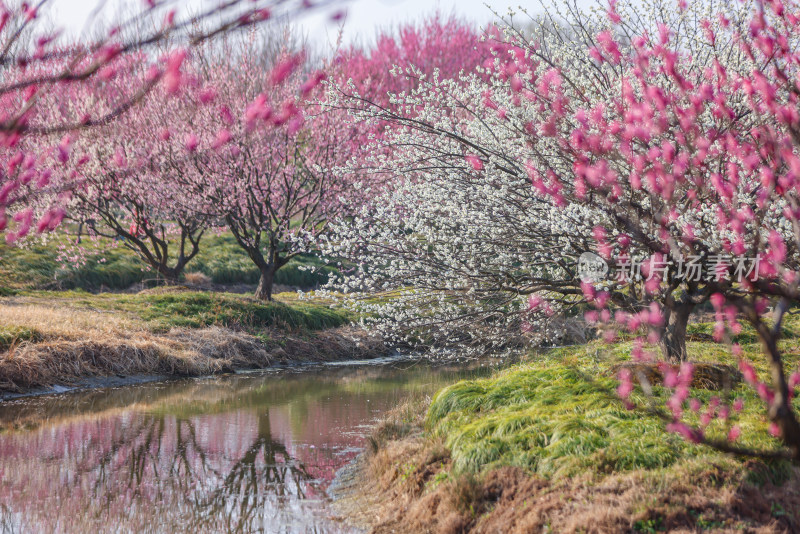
x,y
250,147
39,68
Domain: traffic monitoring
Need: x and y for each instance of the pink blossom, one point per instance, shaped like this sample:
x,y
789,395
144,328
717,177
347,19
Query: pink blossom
x,y
119,159
705,419
670,378
688,433
686,373
257,110
223,138
173,78
637,353
286,67
777,250
765,392
610,47
748,372
295,124
794,379
654,316
207,95
613,16
312,83
625,387
63,148
775,430
191,142
474,161
588,290
44,222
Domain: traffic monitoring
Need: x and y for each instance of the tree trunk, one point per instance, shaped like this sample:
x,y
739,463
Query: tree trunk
x,y
780,410
673,338
264,289
171,274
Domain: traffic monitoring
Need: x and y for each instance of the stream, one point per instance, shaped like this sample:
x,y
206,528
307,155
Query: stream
x,y
251,452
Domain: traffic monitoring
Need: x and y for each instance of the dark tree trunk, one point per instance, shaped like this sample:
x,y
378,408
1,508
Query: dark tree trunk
x,y
169,274
673,338
780,409
265,283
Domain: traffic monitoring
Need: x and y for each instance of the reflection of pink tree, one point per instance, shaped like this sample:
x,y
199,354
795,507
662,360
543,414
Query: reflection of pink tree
x,y
206,453
196,468
236,469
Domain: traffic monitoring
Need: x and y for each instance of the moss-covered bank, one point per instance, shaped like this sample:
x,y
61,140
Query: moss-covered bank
x,y
546,447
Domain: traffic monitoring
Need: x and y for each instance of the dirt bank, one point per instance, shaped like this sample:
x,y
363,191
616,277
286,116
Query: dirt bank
x,y
66,339
405,483
101,357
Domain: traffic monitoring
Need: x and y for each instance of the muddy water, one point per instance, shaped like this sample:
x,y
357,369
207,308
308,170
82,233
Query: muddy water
x,y
240,453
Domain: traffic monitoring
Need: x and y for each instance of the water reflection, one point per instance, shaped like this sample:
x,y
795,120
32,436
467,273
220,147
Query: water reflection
x,y
251,453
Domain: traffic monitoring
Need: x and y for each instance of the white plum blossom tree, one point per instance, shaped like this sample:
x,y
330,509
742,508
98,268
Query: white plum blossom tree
x,y
674,135
487,222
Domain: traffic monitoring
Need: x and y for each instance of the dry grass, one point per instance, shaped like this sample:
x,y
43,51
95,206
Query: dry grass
x,y
66,322
711,376
197,279
66,344
75,344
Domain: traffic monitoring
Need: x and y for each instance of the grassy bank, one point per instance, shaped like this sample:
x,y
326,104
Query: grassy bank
x,y
49,338
546,447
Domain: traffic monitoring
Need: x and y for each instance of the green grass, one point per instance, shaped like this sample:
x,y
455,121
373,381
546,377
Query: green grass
x,y
36,266
198,309
224,262
558,417
11,335
163,310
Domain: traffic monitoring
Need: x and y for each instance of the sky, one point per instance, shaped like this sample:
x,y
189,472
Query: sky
x,y
364,17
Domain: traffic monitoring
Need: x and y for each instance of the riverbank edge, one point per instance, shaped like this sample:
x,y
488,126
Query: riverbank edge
x,y
404,482
179,353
